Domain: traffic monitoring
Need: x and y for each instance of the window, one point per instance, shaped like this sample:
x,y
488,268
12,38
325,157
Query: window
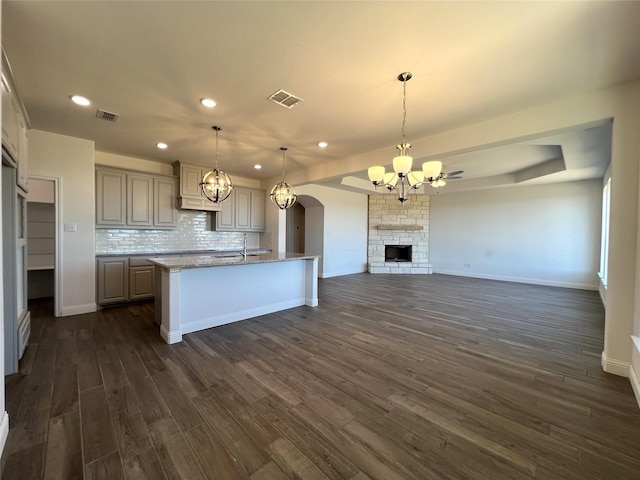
x,y
604,243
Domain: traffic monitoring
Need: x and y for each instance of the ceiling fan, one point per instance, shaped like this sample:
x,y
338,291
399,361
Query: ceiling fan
x,y
440,179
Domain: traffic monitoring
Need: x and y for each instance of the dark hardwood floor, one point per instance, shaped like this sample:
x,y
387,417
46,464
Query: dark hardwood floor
x,y
391,377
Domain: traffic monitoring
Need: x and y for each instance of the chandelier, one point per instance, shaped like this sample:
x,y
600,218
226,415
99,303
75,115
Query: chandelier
x,y
402,179
282,194
216,185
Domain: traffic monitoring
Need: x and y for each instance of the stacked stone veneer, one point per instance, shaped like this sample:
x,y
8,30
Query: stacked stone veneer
x,y
386,210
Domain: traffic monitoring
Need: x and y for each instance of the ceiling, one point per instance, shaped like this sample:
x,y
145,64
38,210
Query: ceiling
x,y
151,62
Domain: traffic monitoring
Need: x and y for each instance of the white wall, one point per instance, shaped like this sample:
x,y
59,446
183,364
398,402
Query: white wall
x,y
71,160
344,239
314,234
544,234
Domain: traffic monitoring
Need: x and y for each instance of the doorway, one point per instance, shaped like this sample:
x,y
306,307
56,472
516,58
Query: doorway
x,y
42,240
295,228
305,229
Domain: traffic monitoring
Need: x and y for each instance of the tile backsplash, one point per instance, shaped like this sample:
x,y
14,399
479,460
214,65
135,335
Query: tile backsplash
x,y
193,232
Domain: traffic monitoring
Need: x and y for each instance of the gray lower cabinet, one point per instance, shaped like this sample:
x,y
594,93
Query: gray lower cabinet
x,y
124,279
113,280
141,279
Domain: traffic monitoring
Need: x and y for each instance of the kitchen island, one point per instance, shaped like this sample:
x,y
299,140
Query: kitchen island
x,y
196,292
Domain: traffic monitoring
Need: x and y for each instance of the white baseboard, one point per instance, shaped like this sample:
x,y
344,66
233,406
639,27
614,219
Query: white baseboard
x,y
343,272
635,384
635,367
170,337
4,431
505,278
237,316
615,367
78,309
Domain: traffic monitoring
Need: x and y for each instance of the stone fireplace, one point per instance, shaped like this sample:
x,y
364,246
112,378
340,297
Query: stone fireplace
x,y
398,236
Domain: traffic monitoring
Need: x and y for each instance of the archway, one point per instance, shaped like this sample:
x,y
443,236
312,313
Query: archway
x,y
305,228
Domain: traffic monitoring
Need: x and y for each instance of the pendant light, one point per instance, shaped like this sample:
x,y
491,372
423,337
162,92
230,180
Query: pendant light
x,y
402,179
282,194
216,185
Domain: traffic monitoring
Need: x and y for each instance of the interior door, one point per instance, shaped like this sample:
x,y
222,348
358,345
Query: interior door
x,y
9,199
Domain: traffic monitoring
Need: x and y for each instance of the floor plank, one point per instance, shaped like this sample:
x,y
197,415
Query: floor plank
x,y
64,450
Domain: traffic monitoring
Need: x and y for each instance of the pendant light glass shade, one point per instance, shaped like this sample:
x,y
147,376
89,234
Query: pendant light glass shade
x,y
282,194
390,179
402,164
216,185
376,175
415,179
432,169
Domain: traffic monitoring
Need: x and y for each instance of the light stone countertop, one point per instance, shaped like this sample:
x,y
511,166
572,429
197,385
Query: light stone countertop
x,y
250,251
216,260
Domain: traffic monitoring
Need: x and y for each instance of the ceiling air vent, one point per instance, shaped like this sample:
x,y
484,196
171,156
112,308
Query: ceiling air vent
x,y
108,116
284,99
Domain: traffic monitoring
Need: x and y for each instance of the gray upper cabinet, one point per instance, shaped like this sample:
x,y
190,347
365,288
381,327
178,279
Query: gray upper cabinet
x,y
10,120
164,201
190,196
14,127
111,198
139,201
242,212
257,210
226,217
23,156
134,200
243,209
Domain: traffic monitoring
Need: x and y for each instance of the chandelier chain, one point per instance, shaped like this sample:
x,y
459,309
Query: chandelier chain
x,y
284,149
217,149
283,160
404,110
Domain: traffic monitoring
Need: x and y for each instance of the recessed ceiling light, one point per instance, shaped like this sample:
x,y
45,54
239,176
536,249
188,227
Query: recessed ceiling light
x,y
162,145
257,166
323,144
208,102
80,100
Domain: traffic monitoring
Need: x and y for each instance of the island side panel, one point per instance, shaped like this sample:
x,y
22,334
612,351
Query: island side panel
x,y
311,282
218,295
170,306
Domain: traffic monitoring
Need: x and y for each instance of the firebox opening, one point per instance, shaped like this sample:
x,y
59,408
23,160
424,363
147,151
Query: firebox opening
x,y
397,253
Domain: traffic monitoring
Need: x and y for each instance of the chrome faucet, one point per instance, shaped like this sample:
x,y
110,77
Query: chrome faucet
x,y
244,248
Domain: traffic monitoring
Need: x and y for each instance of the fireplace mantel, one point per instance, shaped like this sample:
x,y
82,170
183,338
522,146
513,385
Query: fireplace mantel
x,y
400,227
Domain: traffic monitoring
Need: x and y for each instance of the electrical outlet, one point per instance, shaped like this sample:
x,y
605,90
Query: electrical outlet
x,y
70,227
467,265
